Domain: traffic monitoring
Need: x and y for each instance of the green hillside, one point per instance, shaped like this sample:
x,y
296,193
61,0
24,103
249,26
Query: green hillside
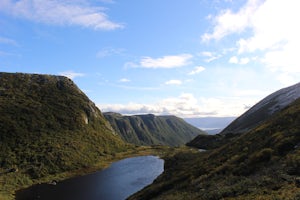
x,y
263,163
49,126
152,130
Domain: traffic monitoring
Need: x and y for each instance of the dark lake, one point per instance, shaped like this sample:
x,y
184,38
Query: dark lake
x,y
119,181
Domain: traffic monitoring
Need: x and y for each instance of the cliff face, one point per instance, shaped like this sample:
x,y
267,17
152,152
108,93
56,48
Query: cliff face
x,y
48,125
152,130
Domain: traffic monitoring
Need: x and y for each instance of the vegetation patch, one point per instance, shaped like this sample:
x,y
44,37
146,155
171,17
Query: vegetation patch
x,y
260,164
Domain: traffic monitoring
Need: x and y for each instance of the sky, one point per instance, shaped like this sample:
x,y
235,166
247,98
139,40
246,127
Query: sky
x,y
194,58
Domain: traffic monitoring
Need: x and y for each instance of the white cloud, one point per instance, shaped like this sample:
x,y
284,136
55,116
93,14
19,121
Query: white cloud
x,y
287,79
171,61
250,93
59,13
234,60
222,106
241,61
210,56
228,22
185,105
124,80
197,70
173,82
130,108
285,60
274,24
71,74
272,34
244,61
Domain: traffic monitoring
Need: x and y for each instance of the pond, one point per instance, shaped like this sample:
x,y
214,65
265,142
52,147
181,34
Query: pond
x,y
119,181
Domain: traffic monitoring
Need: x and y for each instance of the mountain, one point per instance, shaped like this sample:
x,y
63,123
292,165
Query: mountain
x,y
211,125
263,109
262,163
255,116
152,130
49,126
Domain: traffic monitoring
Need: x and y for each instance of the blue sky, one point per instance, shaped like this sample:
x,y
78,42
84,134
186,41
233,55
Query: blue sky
x,y
190,58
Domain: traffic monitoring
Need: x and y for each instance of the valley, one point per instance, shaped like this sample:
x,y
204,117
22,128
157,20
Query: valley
x,y
50,130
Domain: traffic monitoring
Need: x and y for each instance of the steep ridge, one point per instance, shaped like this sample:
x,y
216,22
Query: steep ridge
x,y
48,126
263,109
262,163
152,130
256,115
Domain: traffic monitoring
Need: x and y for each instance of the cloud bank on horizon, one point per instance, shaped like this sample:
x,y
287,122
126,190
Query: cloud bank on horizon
x,y
196,58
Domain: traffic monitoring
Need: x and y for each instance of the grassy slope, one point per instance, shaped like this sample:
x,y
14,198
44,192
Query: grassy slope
x,y
48,126
153,130
263,163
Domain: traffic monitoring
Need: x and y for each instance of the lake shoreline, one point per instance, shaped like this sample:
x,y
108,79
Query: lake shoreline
x,y
10,188
120,180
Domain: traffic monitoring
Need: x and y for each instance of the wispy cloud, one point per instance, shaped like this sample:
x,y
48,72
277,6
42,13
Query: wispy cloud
x,y
109,51
173,82
60,13
124,80
71,74
167,62
141,88
210,56
107,1
3,53
4,40
197,70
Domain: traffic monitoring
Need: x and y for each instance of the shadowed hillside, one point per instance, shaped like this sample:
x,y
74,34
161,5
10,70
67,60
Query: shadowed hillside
x,y
152,130
47,126
263,163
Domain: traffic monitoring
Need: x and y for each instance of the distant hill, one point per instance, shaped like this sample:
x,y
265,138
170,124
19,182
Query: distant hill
x,y
48,126
211,125
262,163
255,116
152,130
